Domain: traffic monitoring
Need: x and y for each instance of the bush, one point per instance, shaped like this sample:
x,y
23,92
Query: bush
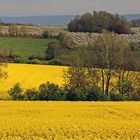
x,y
117,97
12,57
94,94
43,92
18,59
45,34
31,57
50,52
16,92
50,91
135,96
34,61
55,62
31,94
75,96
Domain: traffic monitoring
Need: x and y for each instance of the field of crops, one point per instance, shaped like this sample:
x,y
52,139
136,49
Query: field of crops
x,y
24,47
70,120
31,76
83,38
37,30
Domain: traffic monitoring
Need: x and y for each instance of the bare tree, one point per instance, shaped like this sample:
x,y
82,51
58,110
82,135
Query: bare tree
x,y
104,54
112,56
78,76
127,83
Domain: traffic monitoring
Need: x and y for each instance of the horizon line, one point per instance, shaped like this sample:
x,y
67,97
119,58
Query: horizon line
x,y
59,15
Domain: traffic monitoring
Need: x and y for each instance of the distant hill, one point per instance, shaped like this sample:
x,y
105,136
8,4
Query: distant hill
x,y
62,20
49,20
130,17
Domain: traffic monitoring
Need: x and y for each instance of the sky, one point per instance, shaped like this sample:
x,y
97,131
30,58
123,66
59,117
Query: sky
x,y
66,7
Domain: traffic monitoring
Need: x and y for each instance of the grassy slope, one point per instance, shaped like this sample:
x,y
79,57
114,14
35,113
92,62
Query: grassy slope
x,y
24,46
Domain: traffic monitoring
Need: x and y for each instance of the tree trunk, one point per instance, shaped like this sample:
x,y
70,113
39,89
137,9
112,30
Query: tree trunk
x,y
107,84
103,81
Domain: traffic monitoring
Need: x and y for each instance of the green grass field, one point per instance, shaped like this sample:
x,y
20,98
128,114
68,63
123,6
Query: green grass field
x,y
137,53
30,46
24,47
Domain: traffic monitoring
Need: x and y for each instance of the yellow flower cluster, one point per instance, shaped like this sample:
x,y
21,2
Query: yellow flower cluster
x,y
69,120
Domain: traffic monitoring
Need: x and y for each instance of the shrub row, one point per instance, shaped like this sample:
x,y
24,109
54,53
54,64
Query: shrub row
x,y
47,91
53,92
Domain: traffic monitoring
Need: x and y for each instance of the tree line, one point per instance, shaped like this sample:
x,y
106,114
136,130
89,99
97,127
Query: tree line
x,y
99,21
53,92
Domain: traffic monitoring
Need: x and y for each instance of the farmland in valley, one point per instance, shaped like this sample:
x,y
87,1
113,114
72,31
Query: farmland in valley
x,y
24,47
70,120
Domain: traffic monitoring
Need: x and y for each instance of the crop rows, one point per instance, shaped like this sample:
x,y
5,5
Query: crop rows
x,y
70,120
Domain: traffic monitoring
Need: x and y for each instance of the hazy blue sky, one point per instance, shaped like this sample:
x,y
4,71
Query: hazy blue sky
x,y
64,7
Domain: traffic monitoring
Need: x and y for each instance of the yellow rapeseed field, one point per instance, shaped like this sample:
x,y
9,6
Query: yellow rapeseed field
x,y
69,120
31,76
